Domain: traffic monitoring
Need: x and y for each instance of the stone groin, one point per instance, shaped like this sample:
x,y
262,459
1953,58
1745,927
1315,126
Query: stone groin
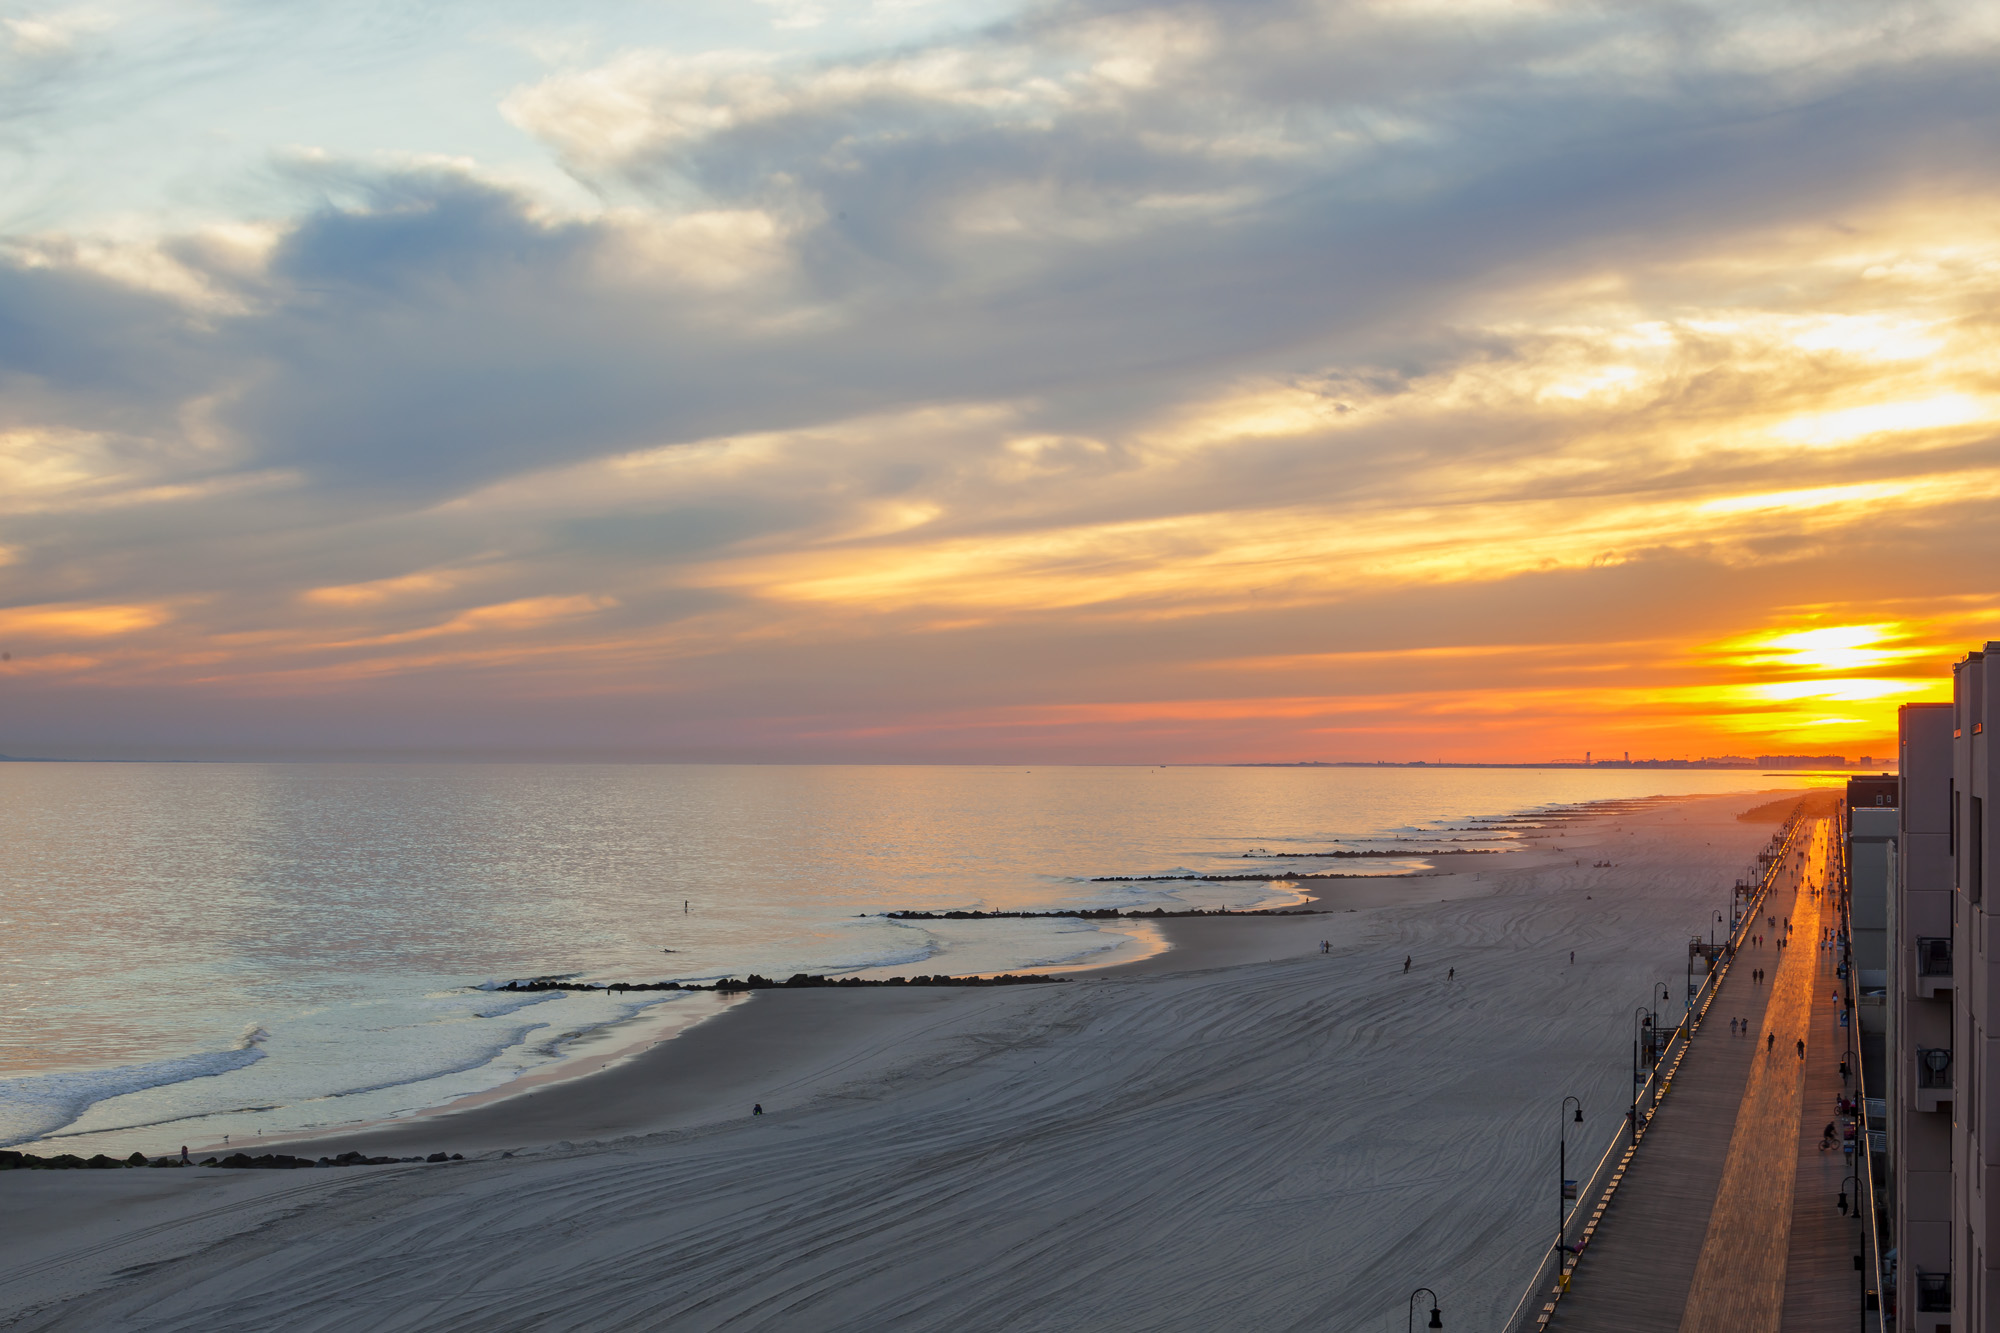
x,y
27,1161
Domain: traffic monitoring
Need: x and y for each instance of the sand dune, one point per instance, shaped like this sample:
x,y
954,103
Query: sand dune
x,y
1243,1133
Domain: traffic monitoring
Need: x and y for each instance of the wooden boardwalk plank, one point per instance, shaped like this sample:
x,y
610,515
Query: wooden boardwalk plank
x,y
1721,1222
1739,1285
1822,1290
1638,1267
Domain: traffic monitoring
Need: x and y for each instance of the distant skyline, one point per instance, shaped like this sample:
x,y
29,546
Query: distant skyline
x,y
986,382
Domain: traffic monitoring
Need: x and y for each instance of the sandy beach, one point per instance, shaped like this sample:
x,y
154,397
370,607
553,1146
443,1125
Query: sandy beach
x,y
1241,1132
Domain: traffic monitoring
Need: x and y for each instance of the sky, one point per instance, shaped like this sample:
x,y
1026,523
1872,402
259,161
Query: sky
x,y
912,381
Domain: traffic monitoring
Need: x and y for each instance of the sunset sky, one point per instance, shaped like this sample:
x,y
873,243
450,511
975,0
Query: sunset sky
x,y
910,380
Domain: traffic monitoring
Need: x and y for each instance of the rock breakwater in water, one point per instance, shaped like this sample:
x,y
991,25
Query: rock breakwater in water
x,y
1272,877
27,1161
1134,914
797,981
1383,851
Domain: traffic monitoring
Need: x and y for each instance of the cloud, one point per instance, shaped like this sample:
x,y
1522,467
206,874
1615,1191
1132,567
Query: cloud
x,y
986,377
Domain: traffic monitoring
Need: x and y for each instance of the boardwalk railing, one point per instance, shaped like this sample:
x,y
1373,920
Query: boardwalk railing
x,y
1553,1270
1864,1138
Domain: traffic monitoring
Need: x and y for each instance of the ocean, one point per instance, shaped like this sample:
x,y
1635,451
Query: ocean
x,y
201,950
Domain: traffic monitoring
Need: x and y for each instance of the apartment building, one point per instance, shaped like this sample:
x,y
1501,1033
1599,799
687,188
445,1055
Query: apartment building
x,y
1919,1079
1975,1188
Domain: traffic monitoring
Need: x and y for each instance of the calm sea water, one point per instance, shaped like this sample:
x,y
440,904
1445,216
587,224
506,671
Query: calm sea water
x,y
200,950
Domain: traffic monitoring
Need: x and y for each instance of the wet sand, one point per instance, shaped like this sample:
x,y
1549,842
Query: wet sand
x,y
1242,1132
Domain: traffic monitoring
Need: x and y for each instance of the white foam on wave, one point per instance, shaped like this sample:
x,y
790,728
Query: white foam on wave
x,y
39,1105
409,1054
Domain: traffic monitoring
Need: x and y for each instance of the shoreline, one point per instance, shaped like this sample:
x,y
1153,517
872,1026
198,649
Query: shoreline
x,y
1105,1153
1167,940
1115,1152
800,1050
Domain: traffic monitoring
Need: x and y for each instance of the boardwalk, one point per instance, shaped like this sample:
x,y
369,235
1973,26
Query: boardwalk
x,y
1821,1291
1721,1222
1739,1285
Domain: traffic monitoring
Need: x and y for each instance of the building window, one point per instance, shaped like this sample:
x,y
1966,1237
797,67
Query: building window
x,y
1933,1067
1975,848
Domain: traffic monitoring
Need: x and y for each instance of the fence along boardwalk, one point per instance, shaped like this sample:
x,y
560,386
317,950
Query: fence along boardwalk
x,y
1640,1267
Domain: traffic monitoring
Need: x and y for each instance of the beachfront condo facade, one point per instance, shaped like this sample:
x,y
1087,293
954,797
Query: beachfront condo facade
x,y
1920,1076
1943,1185
1976,1021
1944,1014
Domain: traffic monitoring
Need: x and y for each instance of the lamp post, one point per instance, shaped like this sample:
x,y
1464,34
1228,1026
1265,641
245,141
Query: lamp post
x,y
1842,1203
1860,1259
1562,1168
1437,1319
1642,1017
1666,997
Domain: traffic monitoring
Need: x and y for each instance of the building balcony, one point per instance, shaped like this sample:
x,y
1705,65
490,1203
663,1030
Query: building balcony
x,y
1933,1067
1933,1077
1934,1293
1933,965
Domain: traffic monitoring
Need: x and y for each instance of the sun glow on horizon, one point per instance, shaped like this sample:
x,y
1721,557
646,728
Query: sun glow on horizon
x,y
997,389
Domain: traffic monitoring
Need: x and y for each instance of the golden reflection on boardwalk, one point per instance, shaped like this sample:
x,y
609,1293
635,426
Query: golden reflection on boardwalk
x,y
1739,1284
1822,1288
1700,1236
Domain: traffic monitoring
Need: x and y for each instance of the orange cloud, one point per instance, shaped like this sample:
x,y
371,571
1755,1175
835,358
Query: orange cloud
x,y
79,621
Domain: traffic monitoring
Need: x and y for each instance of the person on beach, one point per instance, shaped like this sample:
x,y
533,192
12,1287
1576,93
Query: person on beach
x,y
1450,972
1572,955
1770,1040
1802,1048
757,1108
1406,962
184,1155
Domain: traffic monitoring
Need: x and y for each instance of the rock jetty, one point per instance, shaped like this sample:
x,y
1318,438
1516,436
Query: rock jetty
x,y
27,1161
797,981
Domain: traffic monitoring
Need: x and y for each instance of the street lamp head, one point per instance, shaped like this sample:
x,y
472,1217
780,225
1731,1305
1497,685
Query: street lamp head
x,y
1579,1113
1437,1320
